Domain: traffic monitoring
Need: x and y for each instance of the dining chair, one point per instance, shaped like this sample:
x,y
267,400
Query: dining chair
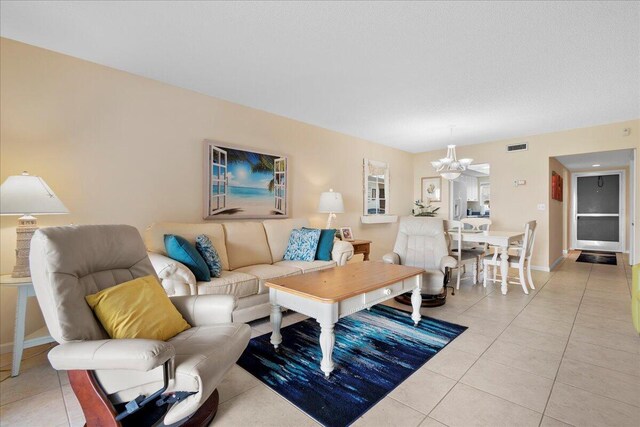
x,y
520,260
477,225
463,258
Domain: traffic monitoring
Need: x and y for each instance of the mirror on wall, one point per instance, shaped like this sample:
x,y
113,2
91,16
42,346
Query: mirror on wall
x,y
376,193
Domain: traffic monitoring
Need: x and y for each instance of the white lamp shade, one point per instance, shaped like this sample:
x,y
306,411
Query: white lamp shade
x,y
331,201
28,195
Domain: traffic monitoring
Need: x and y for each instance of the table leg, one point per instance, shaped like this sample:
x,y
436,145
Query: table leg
x,y
18,337
416,301
276,322
327,341
504,268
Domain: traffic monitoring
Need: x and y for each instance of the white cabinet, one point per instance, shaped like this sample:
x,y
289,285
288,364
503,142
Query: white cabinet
x,y
472,187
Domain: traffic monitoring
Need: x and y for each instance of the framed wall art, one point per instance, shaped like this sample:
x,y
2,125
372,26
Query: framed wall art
x,y
431,189
556,186
243,183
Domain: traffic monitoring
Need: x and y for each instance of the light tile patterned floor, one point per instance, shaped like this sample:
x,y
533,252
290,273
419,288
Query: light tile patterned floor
x,y
566,354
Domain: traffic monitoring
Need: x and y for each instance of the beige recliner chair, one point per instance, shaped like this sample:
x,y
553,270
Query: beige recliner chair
x,y
113,378
421,242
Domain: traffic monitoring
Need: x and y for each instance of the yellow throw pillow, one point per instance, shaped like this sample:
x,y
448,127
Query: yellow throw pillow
x,y
137,309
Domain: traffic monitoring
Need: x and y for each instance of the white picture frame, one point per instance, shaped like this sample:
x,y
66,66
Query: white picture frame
x,y
346,234
431,189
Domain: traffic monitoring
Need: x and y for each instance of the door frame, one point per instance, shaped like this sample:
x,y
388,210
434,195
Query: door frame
x,y
593,244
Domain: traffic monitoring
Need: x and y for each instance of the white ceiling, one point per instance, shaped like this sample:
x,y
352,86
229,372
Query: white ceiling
x,y
606,159
398,73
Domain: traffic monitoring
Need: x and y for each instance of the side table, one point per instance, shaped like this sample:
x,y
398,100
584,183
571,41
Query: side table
x,y
24,286
361,247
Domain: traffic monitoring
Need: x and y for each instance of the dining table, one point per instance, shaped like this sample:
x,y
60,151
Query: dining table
x,y
499,239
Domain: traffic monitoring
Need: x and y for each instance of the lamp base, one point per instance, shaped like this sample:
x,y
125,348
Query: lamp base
x,y
329,219
27,225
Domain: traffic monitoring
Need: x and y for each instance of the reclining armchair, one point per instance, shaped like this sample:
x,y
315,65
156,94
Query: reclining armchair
x,y
421,242
129,381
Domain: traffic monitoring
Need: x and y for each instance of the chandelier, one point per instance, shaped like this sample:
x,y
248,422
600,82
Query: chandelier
x,y
450,167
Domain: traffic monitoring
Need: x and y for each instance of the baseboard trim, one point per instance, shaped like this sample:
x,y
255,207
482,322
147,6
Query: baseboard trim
x,y
6,347
540,268
553,265
556,262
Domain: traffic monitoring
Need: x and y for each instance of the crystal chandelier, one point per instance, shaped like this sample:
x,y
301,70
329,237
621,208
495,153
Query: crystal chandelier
x,y
450,167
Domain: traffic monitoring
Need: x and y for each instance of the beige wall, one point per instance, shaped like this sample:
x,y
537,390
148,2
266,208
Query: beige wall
x,y
118,148
512,206
557,209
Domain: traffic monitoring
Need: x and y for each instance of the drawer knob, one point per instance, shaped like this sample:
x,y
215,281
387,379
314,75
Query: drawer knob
x,y
387,291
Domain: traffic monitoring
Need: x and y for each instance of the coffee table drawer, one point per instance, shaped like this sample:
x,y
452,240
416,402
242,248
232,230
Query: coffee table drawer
x,y
383,293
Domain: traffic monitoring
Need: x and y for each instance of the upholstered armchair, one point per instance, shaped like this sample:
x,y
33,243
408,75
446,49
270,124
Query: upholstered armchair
x,y
421,242
124,378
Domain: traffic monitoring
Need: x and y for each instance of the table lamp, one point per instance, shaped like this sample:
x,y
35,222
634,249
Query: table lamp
x,y
27,195
331,203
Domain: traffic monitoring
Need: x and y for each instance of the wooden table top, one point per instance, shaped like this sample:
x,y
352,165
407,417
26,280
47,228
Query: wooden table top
x,y
339,283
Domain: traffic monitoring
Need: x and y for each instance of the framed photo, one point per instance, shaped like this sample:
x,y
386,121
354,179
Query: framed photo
x,y
556,186
243,183
346,233
431,189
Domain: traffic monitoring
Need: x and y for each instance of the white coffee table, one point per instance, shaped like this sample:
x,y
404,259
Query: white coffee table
x,y
331,294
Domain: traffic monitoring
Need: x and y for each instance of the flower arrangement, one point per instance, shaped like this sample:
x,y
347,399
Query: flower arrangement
x,y
424,210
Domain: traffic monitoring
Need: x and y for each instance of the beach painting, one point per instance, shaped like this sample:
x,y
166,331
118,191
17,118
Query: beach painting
x,y
244,183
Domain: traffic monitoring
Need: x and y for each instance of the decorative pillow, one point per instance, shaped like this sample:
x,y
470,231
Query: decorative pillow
x,y
325,244
303,244
209,254
182,251
139,308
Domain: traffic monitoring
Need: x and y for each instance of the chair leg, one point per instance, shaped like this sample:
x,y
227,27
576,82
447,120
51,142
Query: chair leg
x,y
458,277
529,275
484,272
495,273
97,409
523,281
475,273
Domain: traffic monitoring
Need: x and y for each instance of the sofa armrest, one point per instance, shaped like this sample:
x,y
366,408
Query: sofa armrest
x,y
128,354
175,277
205,310
342,252
391,258
447,262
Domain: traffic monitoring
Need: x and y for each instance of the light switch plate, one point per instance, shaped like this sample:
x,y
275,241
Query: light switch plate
x,y
541,206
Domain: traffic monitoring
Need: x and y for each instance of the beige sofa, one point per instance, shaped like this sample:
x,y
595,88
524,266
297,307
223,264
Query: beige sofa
x,y
250,254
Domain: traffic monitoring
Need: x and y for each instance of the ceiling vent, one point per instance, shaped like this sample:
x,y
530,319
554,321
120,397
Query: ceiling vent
x,y
523,146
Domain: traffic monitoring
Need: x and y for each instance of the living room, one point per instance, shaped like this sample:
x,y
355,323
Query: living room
x,y
112,105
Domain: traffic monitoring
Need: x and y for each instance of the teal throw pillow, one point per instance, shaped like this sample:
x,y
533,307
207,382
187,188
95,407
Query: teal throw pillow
x,y
325,244
302,246
181,250
209,254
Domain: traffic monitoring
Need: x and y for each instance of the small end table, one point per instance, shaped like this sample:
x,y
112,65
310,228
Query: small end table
x,y
24,286
361,247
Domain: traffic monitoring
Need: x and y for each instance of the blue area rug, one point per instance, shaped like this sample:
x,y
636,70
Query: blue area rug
x,y
374,352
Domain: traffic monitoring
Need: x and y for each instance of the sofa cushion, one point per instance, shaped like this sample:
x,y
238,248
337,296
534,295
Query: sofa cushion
x,y
246,244
278,232
154,237
179,249
267,271
307,266
209,254
230,283
303,244
325,244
